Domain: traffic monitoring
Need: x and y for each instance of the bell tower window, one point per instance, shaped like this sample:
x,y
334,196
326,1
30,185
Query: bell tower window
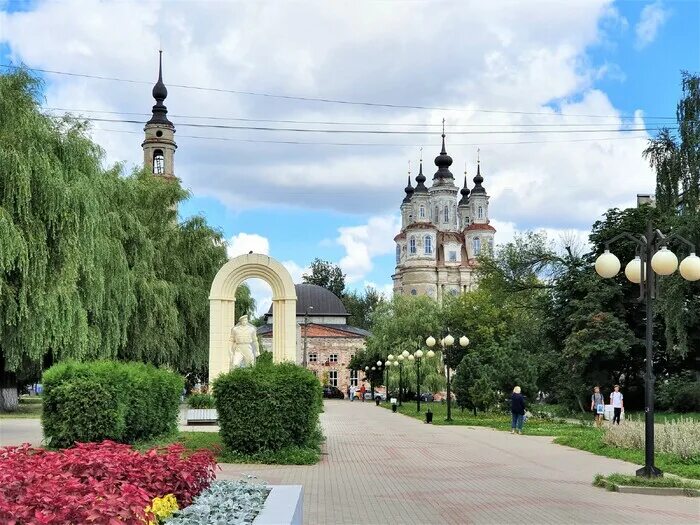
x,y
481,212
158,162
422,212
476,244
428,244
412,245
447,214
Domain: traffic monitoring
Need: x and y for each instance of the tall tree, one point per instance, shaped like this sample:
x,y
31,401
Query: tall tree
x,y
327,275
361,306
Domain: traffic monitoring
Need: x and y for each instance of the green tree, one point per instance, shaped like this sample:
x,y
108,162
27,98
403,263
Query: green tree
x,y
361,307
327,275
245,302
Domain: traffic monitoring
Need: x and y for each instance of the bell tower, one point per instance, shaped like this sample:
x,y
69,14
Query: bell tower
x,y
159,142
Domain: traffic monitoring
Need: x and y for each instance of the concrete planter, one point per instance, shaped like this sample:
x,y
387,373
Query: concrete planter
x,y
197,416
284,506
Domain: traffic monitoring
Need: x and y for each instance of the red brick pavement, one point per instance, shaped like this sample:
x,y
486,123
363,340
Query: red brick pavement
x,y
402,471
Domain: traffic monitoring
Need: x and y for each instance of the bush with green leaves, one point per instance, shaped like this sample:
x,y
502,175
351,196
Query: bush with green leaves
x,y
124,402
680,393
267,407
200,401
681,437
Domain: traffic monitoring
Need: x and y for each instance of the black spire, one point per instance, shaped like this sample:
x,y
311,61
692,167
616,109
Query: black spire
x,y
464,191
409,190
478,188
160,92
420,180
443,161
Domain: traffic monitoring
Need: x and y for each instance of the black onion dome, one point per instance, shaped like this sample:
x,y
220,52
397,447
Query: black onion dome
x,y
478,179
443,162
420,180
409,191
160,93
464,191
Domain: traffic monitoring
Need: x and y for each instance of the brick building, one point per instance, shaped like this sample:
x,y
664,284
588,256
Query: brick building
x,y
325,342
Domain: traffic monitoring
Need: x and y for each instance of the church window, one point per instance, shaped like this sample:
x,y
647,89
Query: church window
x,y
159,133
422,212
476,244
333,377
454,214
333,358
452,256
313,357
428,245
353,377
437,214
481,212
158,162
491,246
398,254
414,292
447,214
412,245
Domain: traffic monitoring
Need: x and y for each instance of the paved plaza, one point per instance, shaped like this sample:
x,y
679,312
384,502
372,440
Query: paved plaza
x,y
399,470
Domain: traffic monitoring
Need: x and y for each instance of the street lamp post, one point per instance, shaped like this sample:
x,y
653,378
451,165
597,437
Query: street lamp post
x,y
417,357
381,372
306,330
387,365
447,343
399,359
366,379
653,257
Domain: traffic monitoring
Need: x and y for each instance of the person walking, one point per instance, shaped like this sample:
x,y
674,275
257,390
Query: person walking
x,y
616,400
597,406
362,392
352,393
517,409
347,391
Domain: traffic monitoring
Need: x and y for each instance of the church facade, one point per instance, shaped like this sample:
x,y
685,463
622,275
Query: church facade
x,y
443,231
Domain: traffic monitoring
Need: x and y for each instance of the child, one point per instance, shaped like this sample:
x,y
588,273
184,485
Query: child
x,y
617,403
597,406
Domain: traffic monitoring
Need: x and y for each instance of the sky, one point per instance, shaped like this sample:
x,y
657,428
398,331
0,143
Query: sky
x,y
550,92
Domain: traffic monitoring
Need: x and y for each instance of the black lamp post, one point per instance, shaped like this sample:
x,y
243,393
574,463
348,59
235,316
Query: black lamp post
x,y
653,257
416,357
399,359
447,343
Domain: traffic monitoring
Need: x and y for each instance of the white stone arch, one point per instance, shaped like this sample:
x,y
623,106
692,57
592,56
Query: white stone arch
x,y
222,303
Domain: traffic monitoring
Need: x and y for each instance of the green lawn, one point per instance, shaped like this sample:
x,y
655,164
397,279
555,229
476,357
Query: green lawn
x,y
194,441
576,435
612,481
24,411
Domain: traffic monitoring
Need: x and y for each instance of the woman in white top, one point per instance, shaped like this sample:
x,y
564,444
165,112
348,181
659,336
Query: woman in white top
x,y
617,403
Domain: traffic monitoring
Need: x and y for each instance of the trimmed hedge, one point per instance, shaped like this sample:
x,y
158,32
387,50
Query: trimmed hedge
x,y
267,407
200,401
124,402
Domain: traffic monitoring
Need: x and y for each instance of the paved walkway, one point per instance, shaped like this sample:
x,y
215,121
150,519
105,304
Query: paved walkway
x,y
384,468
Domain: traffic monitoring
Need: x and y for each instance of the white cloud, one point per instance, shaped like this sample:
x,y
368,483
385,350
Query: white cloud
x,y
246,242
362,243
386,289
652,17
295,270
559,237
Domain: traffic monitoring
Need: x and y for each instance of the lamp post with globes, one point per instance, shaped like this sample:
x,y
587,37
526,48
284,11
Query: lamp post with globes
x,y
653,258
400,359
447,343
387,365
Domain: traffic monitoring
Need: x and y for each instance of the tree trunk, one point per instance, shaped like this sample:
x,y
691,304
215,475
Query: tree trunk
x,y
8,391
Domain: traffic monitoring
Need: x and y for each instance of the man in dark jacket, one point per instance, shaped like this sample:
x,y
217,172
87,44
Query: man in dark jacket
x,y
517,409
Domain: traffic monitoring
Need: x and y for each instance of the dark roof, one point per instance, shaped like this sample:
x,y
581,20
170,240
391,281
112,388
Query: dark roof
x,y
465,192
324,302
420,180
267,329
443,163
409,190
478,188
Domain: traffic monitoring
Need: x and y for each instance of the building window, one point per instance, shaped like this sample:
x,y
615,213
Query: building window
x,y
481,212
333,358
333,377
452,256
454,214
398,254
158,162
353,377
412,245
422,212
414,292
476,244
437,214
447,214
428,245
313,357
491,246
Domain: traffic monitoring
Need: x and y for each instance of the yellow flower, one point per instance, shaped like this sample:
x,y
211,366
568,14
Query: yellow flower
x,y
162,508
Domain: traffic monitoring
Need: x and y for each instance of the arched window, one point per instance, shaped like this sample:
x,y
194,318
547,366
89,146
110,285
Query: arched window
x,y
412,245
447,214
437,214
158,162
476,245
428,243
398,253
454,214
422,212
491,246
480,213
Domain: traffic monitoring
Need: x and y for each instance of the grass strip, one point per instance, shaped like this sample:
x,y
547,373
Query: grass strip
x,y
613,481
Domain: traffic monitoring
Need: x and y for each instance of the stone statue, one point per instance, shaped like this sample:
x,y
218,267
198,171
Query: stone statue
x,y
244,344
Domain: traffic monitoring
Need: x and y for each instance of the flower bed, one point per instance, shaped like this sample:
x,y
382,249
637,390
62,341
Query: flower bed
x,y
98,483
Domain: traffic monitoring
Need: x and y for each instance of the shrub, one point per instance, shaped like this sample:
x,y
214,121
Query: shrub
x,y
123,402
96,483
200,401
267,407
681,437
680,393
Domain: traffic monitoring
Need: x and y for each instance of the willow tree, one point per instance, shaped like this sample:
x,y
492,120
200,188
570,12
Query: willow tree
x,y
55,247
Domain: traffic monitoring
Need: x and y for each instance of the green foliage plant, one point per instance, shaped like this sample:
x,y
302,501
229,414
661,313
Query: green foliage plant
x,y
124,402
267,407
200,401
